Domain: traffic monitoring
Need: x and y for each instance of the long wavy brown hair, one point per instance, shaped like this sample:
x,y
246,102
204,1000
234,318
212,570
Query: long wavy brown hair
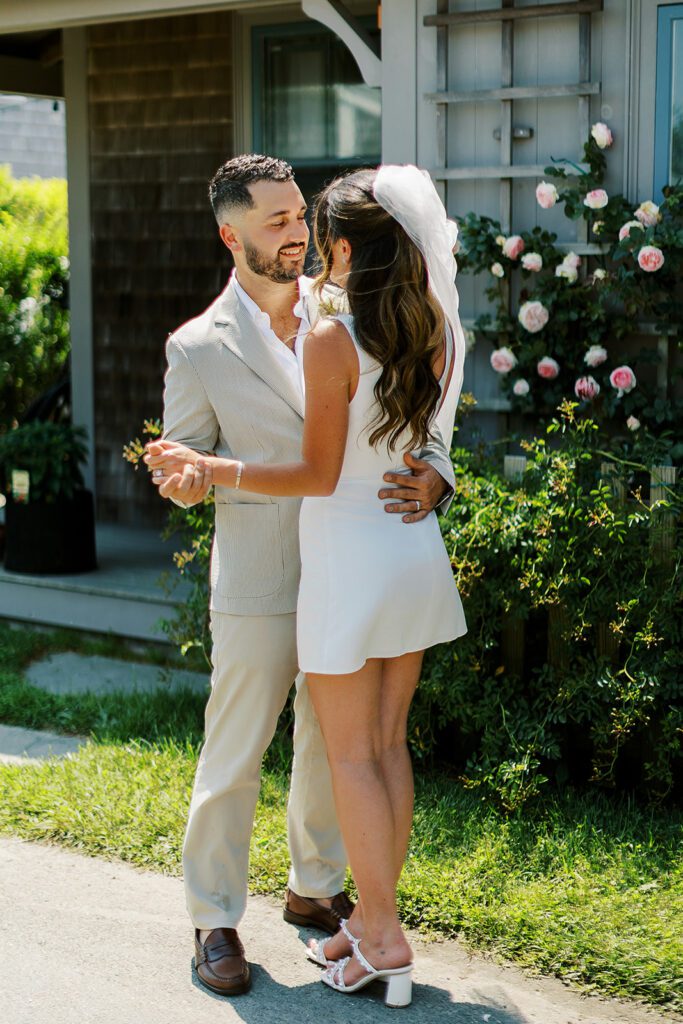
x,y
396,319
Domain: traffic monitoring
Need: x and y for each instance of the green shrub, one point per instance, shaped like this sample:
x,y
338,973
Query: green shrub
x,y
34,268
50,452
572,667
195,526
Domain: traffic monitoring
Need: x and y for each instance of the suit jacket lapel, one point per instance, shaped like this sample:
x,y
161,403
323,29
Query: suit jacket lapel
x,y
242,337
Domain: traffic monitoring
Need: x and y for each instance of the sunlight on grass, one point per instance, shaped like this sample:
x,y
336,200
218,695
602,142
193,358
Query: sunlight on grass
x,y
580,888
585,887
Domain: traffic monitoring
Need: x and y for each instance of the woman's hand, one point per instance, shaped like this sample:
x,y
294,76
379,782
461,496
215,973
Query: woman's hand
x,y
175,468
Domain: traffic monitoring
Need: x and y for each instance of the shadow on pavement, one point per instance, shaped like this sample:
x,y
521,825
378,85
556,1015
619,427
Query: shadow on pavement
x,y
269,1001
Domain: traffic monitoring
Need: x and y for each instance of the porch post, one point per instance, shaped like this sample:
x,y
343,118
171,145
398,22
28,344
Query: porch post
x,y
80,285
399,82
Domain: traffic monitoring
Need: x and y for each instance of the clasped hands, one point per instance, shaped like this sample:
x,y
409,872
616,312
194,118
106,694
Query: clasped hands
x,y
186,475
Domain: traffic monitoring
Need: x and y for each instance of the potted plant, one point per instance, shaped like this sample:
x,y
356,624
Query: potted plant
x,y
50,519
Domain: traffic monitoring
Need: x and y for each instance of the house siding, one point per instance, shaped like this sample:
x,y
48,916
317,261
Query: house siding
x,y
160,111
32,136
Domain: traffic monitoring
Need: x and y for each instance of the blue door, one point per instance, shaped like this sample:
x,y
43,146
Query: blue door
x,y
668,169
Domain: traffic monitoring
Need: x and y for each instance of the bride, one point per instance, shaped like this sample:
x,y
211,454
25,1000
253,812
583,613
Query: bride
x,y
376,380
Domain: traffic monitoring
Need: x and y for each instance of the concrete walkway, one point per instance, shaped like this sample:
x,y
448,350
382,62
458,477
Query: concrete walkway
x,y
24,746
86,941
87,673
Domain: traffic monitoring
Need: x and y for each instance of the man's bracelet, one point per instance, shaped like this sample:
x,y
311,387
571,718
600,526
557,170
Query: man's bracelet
x,y
238,478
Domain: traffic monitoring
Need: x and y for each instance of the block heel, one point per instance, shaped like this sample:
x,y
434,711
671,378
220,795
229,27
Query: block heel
x,y
399,989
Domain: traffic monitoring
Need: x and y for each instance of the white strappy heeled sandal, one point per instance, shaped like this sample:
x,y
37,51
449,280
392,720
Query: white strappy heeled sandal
x,y
316,953
399,979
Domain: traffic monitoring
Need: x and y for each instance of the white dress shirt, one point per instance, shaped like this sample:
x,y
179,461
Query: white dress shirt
x,y
289,360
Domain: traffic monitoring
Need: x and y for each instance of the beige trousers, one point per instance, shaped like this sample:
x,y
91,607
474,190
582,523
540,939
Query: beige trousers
x,y
254,666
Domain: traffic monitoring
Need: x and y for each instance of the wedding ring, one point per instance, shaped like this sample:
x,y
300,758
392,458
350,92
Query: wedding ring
x,y
158,472
418,505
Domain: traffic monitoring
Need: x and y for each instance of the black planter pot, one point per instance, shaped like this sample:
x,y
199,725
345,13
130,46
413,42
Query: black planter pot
x,y
58,537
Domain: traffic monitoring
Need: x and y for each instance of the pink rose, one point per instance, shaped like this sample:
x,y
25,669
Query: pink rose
x,y
596,199
548,368
497,270
595,355
572,260
633,423
521,387
546,195
513,247
625,229
586,387
623,379
533,316
503,360
532,261
650,258
602,135
648,214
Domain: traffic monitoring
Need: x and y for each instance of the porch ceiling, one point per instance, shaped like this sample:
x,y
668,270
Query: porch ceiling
x,y
31,63
52,14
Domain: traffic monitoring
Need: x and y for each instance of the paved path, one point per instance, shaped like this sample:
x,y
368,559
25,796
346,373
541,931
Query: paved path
x,y
88,941
69,672
19,745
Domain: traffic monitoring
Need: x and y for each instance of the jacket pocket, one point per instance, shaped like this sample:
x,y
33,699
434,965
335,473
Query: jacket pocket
x,y
247,558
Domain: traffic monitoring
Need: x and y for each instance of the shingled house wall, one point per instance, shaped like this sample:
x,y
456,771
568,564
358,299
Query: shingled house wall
x,y
160,123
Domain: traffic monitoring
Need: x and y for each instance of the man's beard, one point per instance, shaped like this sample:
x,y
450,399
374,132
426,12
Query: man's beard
x,y
273,269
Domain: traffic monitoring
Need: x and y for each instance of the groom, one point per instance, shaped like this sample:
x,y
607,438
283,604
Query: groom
x,y
233,387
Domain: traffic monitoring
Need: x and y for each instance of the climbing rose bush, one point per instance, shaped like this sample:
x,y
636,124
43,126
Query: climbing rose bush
x,y
574,313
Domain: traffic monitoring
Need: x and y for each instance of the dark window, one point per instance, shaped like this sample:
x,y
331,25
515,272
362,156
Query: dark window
x,y
311,106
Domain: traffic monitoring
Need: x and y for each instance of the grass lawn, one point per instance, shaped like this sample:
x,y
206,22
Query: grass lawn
x,y
584,887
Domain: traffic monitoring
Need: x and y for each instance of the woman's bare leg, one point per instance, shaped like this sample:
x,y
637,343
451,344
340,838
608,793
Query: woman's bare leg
x,y
399,680
363,718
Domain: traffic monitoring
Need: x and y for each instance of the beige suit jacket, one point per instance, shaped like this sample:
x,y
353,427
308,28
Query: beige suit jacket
x,y
226,393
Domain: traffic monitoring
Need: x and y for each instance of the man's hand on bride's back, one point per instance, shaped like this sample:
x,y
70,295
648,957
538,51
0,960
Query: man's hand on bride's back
x,y
417,493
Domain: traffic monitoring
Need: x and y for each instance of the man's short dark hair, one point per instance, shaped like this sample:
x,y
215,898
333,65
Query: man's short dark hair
x,y
228,188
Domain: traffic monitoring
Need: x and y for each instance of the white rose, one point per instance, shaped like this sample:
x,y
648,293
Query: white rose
x,y
625,229
648,214
497,270
533,316
602,135
568,272
532,261
546,195
595,355
596,199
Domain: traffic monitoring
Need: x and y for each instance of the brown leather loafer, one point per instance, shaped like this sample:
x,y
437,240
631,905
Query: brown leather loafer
x,y
221,963
311,913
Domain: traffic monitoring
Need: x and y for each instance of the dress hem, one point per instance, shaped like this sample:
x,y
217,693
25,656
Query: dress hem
x,y
394,654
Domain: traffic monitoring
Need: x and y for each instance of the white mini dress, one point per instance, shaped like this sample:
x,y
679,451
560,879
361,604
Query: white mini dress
x,y
372,586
